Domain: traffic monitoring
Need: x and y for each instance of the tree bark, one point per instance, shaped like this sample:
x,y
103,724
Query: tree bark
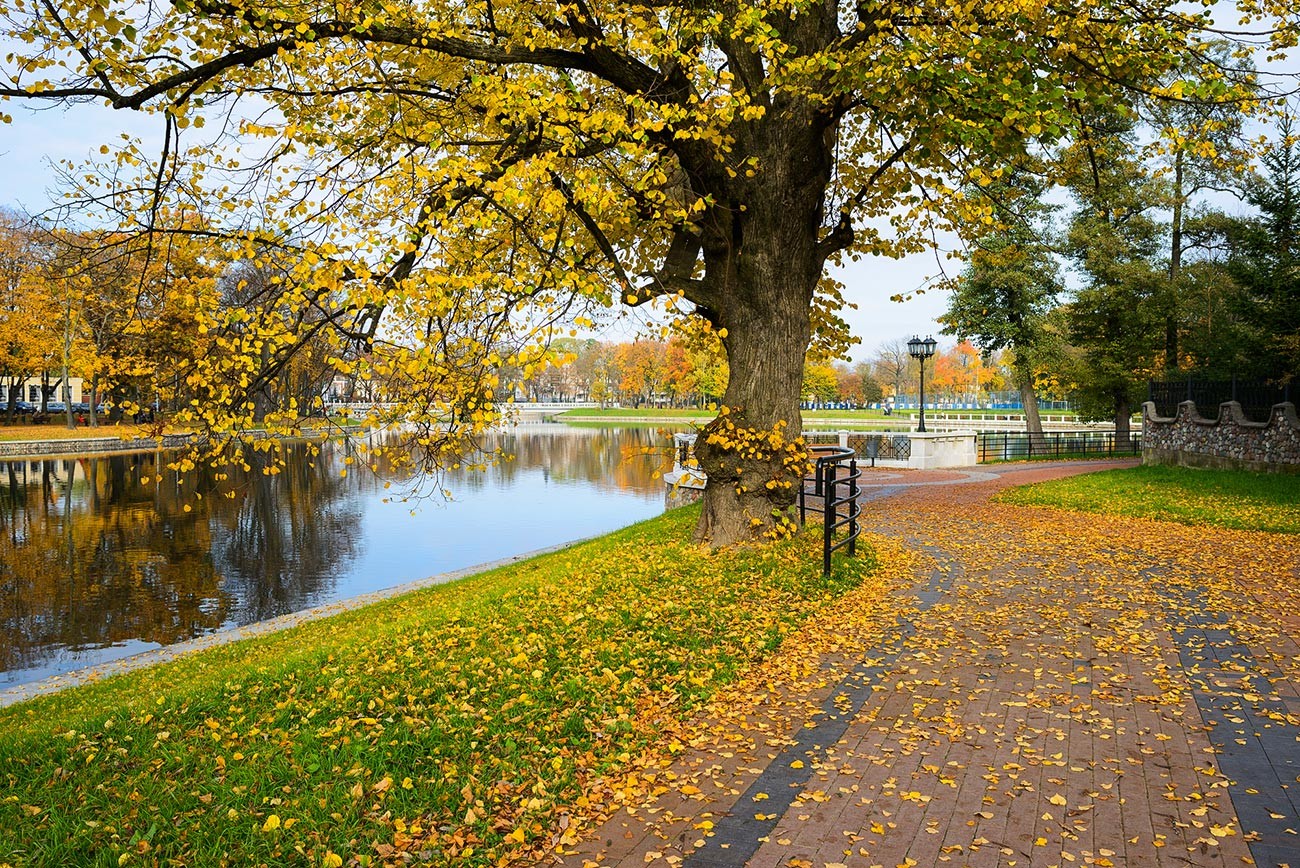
x,y
1029,398
764,270
1123,413
753,453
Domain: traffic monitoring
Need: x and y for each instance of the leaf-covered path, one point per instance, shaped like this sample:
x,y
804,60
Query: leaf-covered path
x,y
1057,689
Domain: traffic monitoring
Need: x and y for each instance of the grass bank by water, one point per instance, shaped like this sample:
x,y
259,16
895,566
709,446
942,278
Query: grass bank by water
x,y
1218,498
59,431
454,723
848,417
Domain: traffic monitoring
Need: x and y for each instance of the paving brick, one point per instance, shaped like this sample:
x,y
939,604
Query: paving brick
x,y
988,738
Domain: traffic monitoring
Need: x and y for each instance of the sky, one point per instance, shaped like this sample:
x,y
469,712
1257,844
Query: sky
x,y
36,141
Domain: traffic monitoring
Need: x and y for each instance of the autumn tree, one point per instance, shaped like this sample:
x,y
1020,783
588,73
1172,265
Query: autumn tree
x,y
893,363
30,309
963,372
439,168
137,308
820,383
856,384
679,373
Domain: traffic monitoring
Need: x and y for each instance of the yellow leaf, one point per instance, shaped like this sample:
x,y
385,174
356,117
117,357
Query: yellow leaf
x,y
331,860
1057,799
272,823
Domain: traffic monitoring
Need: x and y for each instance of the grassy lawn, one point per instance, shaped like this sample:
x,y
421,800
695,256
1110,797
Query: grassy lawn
x,y
57,431
1221,498
455,724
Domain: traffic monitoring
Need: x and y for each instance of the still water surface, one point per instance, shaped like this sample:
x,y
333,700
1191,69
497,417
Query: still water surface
x,y
97,565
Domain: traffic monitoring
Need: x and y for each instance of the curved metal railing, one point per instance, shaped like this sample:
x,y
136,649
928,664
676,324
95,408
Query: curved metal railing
x,y
835,493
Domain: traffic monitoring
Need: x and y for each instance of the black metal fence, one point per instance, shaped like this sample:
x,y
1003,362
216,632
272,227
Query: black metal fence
x,y
1256,397
883,446
835,494
1020,446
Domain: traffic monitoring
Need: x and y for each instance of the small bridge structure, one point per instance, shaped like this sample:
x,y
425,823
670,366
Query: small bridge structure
x,y
539,411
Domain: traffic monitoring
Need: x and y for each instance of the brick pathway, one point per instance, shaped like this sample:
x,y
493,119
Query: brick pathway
x,y
1058,689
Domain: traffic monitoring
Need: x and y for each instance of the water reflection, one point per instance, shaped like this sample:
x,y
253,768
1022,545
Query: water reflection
x,y
97,563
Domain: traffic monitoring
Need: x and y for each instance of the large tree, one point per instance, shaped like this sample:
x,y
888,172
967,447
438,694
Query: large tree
x,y
1265,254
451,172
1198,146
1010,285
1114,239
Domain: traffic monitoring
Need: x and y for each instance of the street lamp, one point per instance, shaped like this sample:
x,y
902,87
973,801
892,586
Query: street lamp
x,y
921,350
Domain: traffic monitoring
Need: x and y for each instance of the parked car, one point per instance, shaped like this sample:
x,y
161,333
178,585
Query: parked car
x,y
55,407
23,407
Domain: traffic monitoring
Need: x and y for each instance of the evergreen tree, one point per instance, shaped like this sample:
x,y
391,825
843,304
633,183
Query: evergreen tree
x,y
1265,258
1002,299
1114,241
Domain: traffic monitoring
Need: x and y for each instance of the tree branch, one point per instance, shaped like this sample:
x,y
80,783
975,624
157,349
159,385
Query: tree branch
x,y
843,236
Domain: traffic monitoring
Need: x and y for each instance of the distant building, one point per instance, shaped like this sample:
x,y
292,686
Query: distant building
x,y
30,390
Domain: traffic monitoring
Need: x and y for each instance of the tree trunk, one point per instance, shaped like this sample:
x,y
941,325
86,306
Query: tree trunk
x,y
763,258
753,454
1123,412
1029,398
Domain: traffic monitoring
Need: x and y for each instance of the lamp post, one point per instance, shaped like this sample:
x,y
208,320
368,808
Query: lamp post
x,y
921,350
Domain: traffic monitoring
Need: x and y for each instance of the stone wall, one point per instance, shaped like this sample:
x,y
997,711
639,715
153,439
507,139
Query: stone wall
x,y
89,445
1231,441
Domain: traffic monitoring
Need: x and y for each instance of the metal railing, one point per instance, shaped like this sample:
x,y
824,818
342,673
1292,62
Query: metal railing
x,y
1256,397
1020,446
886,447
835,489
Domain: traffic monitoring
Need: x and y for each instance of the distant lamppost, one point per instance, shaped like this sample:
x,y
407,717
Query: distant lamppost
x,y
921,350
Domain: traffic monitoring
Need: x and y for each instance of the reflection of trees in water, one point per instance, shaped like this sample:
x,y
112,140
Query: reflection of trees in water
x,y
614,458
92,556
287,536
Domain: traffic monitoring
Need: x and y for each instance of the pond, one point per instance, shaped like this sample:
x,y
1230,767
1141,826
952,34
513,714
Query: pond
x,y
96,564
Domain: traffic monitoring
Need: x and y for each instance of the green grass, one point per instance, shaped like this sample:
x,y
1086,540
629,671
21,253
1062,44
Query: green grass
x,y
1217,498
57,430
454,722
